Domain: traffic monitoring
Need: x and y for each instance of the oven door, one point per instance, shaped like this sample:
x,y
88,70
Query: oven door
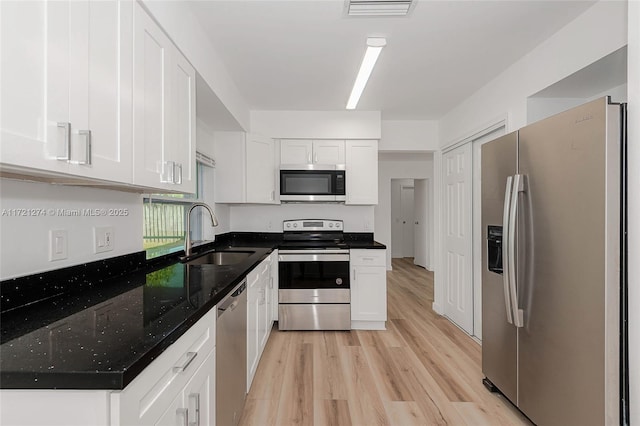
x,y
314,290
311,270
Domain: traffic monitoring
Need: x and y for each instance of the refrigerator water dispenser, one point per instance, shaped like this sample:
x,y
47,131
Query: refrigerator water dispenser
x,y
494,248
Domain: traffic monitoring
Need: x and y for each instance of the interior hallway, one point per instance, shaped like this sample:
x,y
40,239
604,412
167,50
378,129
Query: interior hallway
x,y
422,370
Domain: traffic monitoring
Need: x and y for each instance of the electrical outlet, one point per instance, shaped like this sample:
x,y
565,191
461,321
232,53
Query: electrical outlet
x,y
103,239
58,244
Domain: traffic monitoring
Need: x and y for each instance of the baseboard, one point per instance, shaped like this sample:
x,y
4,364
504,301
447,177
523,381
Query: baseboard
x,y
437,308
368,325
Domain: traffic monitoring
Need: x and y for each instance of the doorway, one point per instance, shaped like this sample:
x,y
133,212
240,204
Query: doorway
x,y
409,220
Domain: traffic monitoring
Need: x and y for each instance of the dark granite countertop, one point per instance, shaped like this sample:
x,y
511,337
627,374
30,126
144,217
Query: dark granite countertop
x,y
98,325
103,335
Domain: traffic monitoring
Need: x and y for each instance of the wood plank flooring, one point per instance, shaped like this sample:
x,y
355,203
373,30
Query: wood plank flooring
x,y
422,370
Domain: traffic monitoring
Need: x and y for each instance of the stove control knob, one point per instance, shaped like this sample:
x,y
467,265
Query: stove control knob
x,y
295,225
288,225
337,224
331,225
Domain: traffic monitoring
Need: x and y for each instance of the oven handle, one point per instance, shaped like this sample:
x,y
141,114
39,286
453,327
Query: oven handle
x,y
312,257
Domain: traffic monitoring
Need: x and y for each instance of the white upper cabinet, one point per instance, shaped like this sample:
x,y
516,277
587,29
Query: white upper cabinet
x,y
362,172
66,87
164,110
305,151
261,170
328,152
296,151
245,168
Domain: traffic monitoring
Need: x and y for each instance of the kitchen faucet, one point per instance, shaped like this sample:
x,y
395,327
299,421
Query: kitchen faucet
x,y
187,238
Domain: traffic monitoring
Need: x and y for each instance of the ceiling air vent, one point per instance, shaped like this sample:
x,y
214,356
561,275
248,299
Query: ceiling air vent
x,y
378,7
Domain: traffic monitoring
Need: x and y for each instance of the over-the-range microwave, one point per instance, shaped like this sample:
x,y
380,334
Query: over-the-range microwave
x,y
312,182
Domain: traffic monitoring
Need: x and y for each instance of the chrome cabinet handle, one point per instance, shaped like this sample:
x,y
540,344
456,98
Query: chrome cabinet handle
x,y
177,174
190,357
67,139
505,249
513,216
168,171
309,158
87,135
316,158
184,412
195,397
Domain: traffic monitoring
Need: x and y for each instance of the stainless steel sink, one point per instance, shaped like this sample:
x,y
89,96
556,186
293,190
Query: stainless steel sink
x,y
221,258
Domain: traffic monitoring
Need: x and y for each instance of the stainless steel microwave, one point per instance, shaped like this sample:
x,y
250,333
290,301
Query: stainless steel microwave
x,y
312,183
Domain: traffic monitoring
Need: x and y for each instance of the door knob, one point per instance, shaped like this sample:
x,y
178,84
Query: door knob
x,y
404,221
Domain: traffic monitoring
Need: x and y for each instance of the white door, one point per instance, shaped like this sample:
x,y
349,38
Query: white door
x,y
406,201
458,261
421,228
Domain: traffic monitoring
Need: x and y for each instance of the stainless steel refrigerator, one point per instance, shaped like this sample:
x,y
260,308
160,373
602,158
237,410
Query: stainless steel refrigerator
x,y
551,220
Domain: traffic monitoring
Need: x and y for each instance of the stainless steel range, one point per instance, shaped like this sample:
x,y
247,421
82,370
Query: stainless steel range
x,y
314,289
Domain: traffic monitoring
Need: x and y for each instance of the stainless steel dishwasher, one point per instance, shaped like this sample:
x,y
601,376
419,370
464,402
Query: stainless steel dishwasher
x,y
231,356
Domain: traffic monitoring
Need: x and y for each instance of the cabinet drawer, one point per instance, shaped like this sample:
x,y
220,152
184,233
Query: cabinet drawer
x,y
368,257
147,397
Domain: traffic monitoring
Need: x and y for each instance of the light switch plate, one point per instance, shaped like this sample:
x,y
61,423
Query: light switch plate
x,y
58,249
103,239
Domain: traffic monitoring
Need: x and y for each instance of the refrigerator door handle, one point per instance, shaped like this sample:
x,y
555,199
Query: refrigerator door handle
x,y
518,317
505,249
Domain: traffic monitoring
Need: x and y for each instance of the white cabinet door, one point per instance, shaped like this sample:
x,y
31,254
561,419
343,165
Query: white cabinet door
x,y
101,91
183,134
253,303
369,293
368,289
245,168
66,82
199,394
175,413
274,286
362,172
260,169
229,152
164,110
152,53
35,84
328,152
296,151
264,312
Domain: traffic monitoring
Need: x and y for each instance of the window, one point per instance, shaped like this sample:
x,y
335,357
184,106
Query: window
x,y
164,216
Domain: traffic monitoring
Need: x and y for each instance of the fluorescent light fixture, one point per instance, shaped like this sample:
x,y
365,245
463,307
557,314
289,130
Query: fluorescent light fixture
x,y
378,7
374,47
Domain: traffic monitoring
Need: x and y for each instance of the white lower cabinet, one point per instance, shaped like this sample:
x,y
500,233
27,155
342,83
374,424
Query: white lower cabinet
x,y
195,405
177,388
183,374
274,287
259,314
368,289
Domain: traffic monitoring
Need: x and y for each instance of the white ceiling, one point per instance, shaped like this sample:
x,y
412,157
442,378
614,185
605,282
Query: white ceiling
x,y
304,54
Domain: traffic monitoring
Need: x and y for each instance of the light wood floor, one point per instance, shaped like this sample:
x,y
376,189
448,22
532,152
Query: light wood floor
x,y
422,370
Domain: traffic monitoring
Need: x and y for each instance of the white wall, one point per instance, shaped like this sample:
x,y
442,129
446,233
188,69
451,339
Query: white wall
x,y
268,218
633,98
540,108
24,247
177,19
404,166
317,124
409,135
574,47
